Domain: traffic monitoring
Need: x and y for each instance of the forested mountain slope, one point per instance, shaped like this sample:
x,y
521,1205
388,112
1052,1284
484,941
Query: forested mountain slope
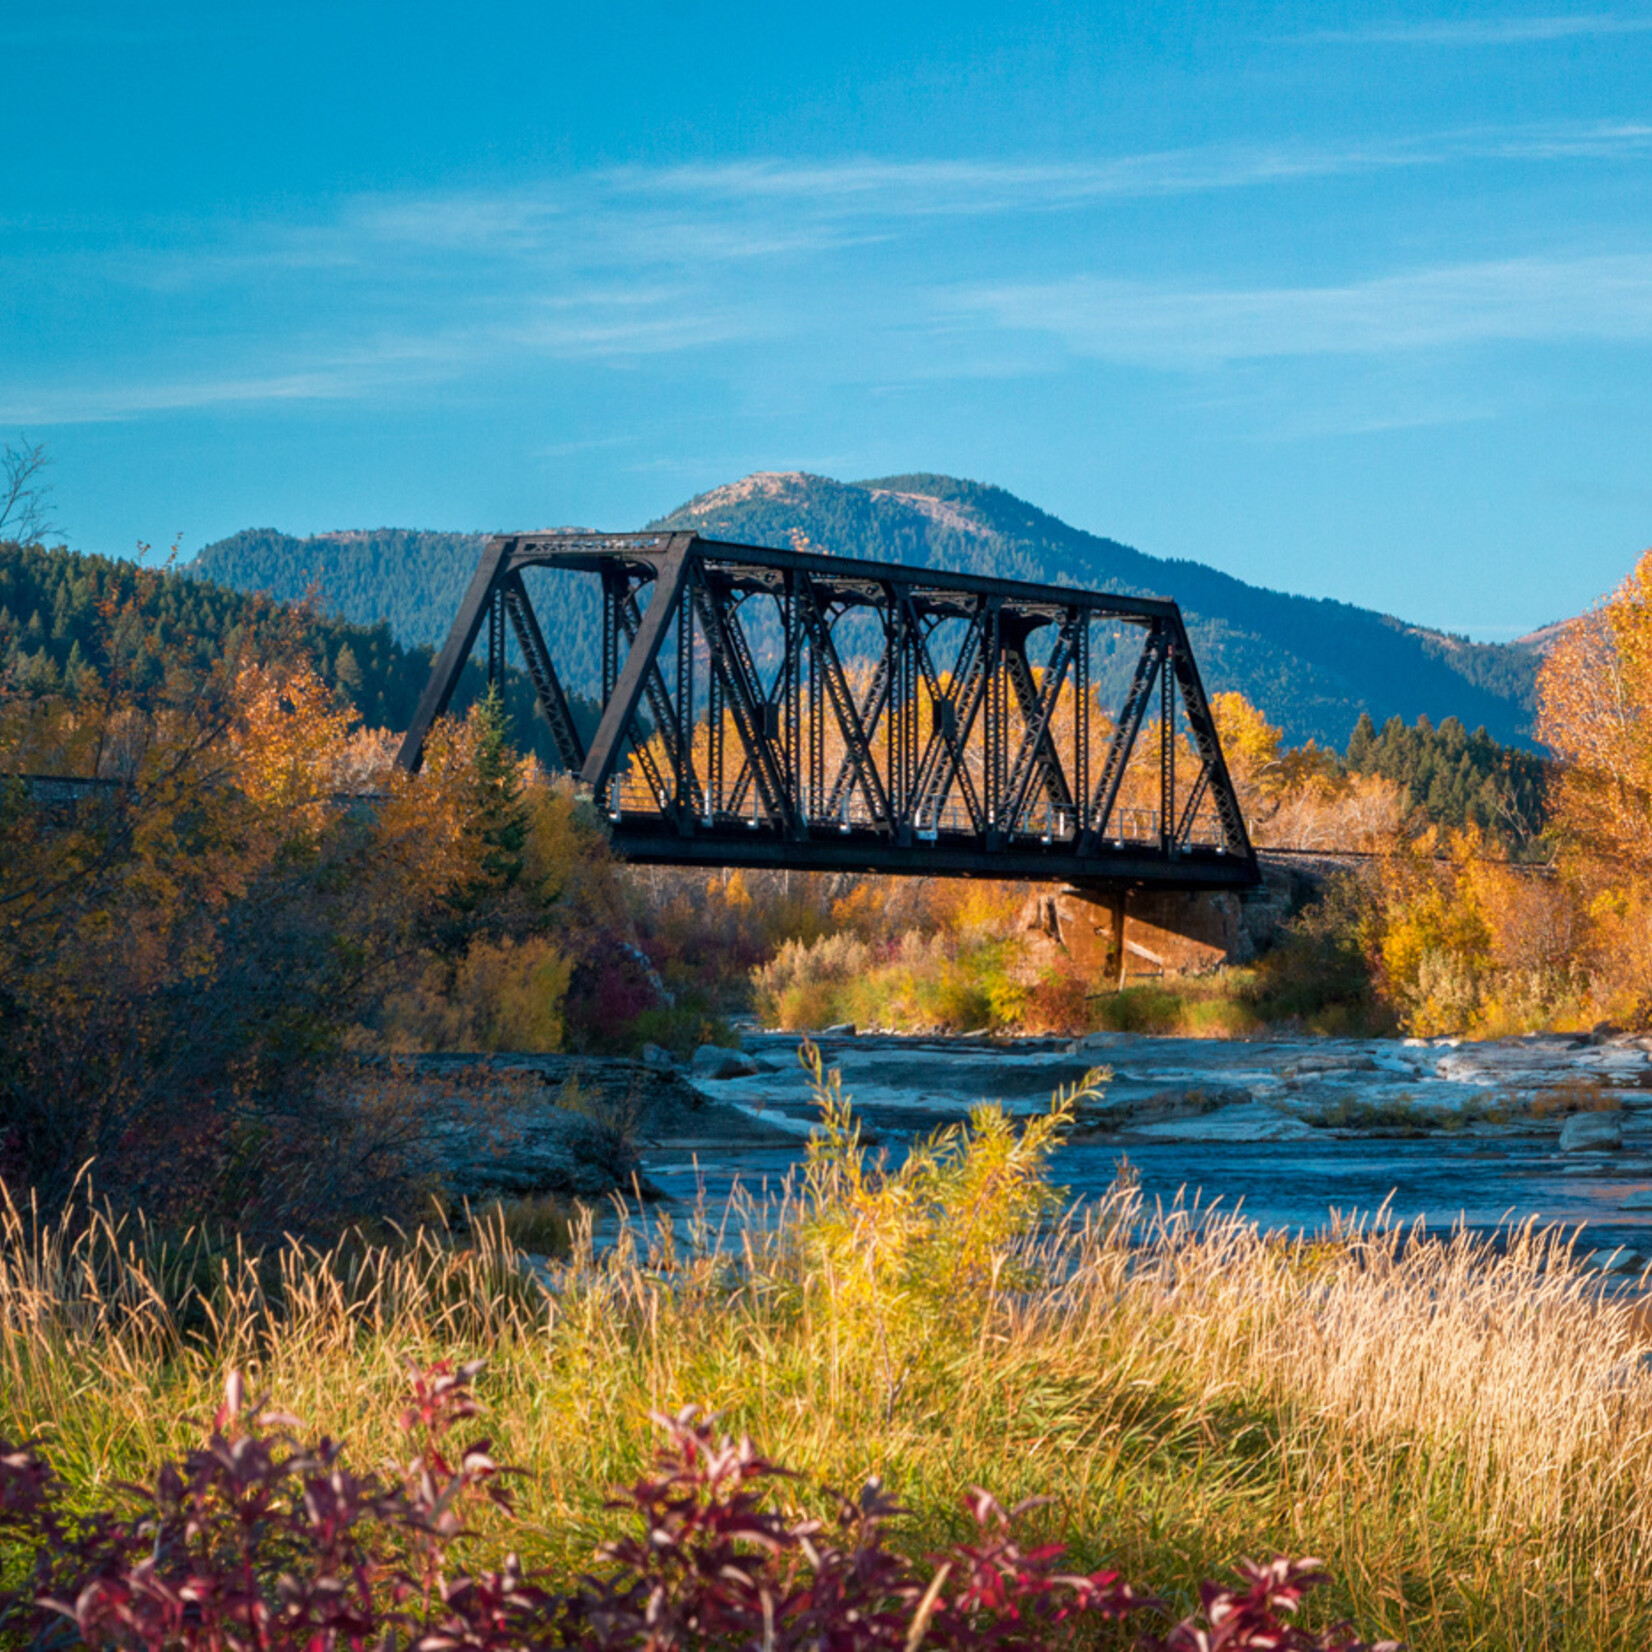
x,y
1313,665
55,619
410,581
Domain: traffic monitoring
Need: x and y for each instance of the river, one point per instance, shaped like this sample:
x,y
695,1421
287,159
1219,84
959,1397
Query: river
x,y
1288,1130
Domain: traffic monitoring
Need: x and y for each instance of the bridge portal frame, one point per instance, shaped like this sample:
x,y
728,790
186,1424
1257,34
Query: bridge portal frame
x,y
770,797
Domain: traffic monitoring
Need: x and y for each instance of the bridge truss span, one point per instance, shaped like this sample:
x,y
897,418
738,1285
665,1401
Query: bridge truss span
x,y
785,708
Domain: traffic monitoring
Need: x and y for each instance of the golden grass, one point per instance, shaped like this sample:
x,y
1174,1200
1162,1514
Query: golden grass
x,y
1464,1436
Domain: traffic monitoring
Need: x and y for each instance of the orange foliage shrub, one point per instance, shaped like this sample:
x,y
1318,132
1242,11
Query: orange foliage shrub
x,y
1300,798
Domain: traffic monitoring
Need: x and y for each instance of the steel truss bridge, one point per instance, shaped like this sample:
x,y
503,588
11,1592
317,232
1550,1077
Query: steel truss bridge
x,y
772,708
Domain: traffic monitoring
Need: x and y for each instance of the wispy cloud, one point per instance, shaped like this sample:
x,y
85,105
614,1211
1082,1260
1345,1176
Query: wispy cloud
x,y
95,404
762,208
1483,31
1529,299
384,293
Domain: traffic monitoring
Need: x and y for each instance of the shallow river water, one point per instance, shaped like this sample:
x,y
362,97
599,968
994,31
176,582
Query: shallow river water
x,y
1287,1130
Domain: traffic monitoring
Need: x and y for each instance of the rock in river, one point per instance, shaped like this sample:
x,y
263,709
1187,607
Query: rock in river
x,y
502,1126
710,1061
1248,1121
1591,1132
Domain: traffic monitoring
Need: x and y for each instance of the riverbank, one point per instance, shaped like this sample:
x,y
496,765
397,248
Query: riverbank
x,y
1296,1132
1462,1431
1257,1089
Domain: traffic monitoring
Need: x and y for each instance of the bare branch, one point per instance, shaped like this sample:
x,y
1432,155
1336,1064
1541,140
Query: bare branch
x,y
24,492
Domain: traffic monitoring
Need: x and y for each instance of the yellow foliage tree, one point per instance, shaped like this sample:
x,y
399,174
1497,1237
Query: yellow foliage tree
x,y
1595,713
192,923
290,740
1250,743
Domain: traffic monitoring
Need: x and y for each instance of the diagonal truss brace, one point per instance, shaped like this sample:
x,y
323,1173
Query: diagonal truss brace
x,y
619,714
857,741
945,741
547,686
729,659
1037,757
1124,735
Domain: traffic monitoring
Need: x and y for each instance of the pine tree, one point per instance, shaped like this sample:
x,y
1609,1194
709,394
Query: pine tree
x,y
504,816
1361,741
347,672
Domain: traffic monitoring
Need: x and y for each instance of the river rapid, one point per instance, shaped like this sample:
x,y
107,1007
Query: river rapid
x,y
1295,1132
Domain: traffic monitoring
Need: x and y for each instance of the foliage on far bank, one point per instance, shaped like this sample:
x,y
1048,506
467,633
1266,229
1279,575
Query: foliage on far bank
x,y
1503,893
234,891
1462,942
1455,780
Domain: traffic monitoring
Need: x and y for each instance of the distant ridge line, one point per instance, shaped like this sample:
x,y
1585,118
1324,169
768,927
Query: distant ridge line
x,y
1312,664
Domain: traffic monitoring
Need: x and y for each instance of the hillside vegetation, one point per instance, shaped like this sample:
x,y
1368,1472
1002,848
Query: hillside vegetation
x,y
1315,665
412,582
55,608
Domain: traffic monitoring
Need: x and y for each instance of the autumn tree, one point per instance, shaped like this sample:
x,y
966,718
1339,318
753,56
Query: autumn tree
x,y
24,492
1595,713
1299,796
196,926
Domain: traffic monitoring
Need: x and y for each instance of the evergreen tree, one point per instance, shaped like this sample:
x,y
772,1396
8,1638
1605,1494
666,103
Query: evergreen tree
x,y
1456,779
1361,741
499,784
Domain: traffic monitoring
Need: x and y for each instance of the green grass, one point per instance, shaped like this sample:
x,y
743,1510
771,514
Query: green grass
x,y
1463,1436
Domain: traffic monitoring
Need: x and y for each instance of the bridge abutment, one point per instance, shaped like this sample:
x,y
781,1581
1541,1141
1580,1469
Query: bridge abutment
x,y
1124,935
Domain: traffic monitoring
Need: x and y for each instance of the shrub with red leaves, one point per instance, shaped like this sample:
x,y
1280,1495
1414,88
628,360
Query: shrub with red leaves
x,y
257,1542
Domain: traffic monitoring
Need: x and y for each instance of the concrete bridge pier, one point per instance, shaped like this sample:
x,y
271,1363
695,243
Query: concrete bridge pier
x,y
1118,936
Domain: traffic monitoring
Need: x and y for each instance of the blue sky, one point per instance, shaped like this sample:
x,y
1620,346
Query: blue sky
x,y
1355,301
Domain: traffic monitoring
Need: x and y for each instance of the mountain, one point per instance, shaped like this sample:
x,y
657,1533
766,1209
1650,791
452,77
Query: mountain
x,y
1314,665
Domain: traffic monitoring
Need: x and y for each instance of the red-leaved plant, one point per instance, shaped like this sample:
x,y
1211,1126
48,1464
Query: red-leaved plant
x,y
256,1541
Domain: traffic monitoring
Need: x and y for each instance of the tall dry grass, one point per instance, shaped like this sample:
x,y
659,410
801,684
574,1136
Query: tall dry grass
x,y
1465,1435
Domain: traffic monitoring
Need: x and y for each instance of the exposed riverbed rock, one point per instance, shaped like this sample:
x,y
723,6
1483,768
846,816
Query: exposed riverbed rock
x,y
530,1152
1114,1111
1332,1086
1591,1132
508,1126
1613,1261
711,1061
1245,1121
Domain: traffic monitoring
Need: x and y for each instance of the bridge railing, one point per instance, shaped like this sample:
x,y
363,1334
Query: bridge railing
x,y
632,798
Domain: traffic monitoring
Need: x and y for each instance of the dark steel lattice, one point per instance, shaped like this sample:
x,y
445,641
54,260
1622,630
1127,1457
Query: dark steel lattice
x,y
962,747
